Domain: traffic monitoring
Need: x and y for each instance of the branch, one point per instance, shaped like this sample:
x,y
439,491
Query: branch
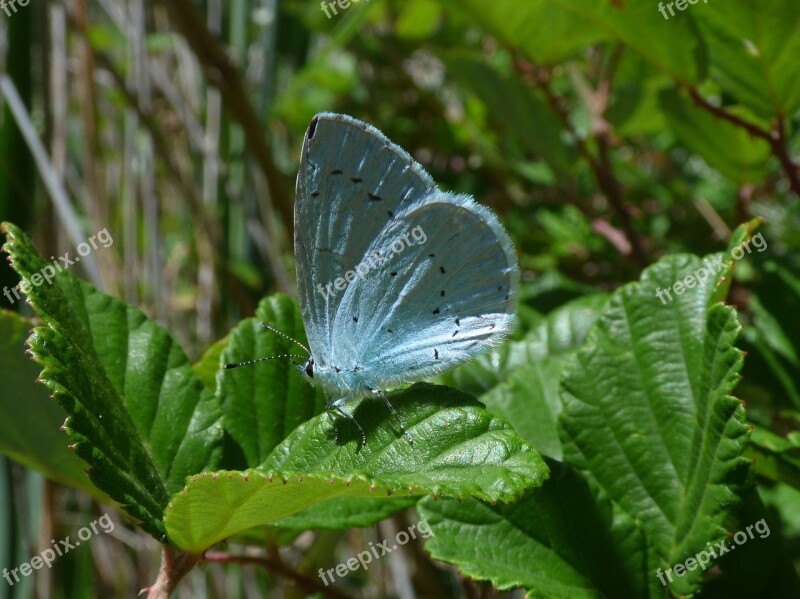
x,y
276,565
776,138
601,168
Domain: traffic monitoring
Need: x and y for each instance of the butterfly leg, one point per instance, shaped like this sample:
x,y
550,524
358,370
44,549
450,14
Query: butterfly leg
x,y
335,406
394,412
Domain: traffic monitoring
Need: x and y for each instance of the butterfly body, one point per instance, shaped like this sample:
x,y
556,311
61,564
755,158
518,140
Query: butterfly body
x,y
347,381
397,280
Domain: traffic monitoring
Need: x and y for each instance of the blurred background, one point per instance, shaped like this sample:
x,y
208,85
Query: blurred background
x,y
604,138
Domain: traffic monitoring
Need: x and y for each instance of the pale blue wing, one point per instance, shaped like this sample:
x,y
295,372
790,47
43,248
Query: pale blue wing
x,y
351,178
433,304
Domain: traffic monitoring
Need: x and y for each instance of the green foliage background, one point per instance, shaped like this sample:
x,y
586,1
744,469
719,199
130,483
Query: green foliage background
x,y
611,438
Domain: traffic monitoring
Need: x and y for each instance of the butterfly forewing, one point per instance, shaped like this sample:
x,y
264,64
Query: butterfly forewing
x,y
350,179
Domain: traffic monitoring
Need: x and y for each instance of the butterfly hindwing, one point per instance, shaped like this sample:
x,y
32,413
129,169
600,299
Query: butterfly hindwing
x,y
437,301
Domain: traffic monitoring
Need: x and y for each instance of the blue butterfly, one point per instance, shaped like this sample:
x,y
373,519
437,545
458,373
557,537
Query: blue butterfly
x,y
397,280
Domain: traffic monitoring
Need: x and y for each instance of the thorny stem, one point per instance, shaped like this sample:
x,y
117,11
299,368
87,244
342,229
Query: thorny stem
x,y
174,566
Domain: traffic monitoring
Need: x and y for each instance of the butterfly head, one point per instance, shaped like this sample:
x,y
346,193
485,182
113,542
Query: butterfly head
x,y
306,369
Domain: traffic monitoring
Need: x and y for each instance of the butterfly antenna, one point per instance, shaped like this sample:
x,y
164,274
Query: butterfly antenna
x,y
285,336
237,364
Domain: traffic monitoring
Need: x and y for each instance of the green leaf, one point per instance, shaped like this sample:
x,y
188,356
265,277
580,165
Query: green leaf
x,y
723,145
785,500
207,367
347,512
559,332
774,457
633,107
31,431
775,333
545,32
418,19
550,32
640,26
519,381
264,402
562,540
761,566
648,412
753,47
459,450
520,115
529,398
137,413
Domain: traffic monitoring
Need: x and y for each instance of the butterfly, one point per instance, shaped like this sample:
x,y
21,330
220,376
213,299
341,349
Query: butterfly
x,y
397,280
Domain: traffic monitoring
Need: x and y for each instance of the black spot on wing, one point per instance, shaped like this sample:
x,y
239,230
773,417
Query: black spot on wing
x,y
373,198
442,270
436,311
337,172
356,180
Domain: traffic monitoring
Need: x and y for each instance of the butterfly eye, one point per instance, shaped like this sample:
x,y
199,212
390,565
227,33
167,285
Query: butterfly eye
x,y
310,368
